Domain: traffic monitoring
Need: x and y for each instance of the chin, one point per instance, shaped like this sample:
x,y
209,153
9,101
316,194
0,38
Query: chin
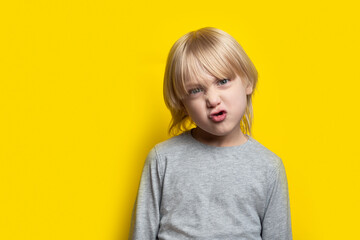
x,y
218,133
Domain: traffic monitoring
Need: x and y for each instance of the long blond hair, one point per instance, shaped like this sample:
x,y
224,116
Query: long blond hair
x,y
208,50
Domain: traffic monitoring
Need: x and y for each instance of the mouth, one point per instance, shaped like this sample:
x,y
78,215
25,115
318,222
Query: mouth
x,y
219,116
218,113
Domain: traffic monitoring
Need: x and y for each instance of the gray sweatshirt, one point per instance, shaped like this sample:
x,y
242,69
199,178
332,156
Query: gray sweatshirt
x,y
190,190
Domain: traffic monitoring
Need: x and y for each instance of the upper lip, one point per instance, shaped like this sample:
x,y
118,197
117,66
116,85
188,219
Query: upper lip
x,y
216,112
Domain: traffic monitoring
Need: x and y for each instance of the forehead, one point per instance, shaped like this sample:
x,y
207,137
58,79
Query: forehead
x,y
202,79
204,73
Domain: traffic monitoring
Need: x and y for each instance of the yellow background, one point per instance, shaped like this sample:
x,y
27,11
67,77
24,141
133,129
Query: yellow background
x,y
81,105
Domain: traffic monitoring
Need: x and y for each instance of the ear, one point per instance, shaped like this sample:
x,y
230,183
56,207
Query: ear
x,y
249,89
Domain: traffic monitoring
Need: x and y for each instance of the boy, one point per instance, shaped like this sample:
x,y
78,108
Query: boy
x,y
214,181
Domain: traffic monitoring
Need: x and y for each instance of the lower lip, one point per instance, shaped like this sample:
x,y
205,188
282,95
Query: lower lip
x,y
219,118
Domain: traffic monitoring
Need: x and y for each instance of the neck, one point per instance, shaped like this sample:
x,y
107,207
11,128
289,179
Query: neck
x,y
234,139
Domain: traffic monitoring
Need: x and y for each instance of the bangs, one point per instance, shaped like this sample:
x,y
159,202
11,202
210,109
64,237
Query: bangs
x,y
203,59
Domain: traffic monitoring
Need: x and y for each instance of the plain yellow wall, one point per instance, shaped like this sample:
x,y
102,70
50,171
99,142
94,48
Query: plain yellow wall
x,y
81,105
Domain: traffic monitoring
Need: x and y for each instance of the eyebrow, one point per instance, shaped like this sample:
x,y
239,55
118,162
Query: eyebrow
x,y
193,85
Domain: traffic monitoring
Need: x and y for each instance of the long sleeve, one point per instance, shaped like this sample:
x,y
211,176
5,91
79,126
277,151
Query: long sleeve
x,y
146,212
276,223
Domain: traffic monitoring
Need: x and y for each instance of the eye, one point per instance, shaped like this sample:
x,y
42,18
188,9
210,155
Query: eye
x,y
223,81
195,90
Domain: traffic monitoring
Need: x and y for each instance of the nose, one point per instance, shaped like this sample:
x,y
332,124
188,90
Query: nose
x,y
212,98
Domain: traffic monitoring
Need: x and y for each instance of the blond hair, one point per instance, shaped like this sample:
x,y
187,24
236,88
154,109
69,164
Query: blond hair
x,y
206,50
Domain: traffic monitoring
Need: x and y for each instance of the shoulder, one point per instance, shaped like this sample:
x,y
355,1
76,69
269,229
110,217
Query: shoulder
x,y
264,158
172,148
173,145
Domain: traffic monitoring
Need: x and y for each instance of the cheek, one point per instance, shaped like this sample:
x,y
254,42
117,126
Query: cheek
x,y
236,100
193,109
238,95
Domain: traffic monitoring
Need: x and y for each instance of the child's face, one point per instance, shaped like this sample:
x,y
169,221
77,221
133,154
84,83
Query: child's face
x,y
217,105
